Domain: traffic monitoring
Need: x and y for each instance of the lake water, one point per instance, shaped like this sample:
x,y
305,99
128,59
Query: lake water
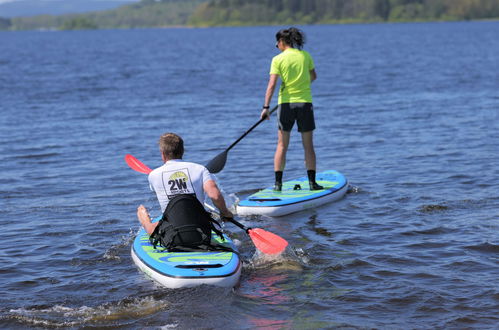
x,y
409,113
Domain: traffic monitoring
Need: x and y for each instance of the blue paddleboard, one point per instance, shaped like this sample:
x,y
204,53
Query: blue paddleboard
x,y
295,196
187,269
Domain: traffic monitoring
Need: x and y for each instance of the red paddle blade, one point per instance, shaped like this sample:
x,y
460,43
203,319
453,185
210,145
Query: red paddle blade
x,y
136,164
267,242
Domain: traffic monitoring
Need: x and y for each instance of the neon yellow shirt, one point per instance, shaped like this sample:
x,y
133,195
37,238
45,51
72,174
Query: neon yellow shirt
x,y
293,66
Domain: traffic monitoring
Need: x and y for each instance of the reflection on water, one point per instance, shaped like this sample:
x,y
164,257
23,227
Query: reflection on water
x,y
265,289
261,323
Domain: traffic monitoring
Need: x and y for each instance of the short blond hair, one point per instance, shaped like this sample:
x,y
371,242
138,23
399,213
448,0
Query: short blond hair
x,y
171,146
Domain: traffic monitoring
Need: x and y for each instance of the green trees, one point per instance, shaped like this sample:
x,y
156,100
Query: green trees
x,y
251,12
162,13
78,23
146,13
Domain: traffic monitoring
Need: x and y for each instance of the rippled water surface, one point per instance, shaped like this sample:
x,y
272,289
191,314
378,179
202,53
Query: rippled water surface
x,y
408,112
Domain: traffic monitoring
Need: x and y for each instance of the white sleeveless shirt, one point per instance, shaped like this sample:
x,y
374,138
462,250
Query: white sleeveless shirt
x,y
178,177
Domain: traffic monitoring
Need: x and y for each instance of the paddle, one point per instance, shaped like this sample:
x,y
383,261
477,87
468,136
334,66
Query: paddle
x,y
267,242
136,164
217,164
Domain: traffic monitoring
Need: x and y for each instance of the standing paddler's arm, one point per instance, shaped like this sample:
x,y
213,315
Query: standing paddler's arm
x,y
211,189
268,95
313,75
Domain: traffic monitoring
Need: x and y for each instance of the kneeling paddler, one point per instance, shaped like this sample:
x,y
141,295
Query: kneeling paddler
x,y
180,187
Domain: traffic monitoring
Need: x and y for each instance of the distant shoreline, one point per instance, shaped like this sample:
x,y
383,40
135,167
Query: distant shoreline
x,y
147,14
347,22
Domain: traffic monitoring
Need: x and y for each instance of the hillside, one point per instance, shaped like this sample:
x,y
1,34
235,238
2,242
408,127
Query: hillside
x,y
164,13
146,13
259,12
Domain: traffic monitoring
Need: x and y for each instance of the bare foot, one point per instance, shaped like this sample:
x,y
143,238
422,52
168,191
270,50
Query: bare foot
x,y
145,219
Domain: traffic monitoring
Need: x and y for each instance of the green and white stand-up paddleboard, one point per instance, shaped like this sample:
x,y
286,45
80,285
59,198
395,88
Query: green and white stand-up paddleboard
x,y
295,196
187,269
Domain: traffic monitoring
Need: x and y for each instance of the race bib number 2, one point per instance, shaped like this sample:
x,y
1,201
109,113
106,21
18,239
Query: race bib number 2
x,y
177,182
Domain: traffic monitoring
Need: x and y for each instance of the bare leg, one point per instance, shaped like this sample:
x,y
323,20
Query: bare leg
x,y
145,219
282,148
308,147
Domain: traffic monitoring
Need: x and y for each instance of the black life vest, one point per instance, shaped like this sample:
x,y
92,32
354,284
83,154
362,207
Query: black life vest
x,y
186,226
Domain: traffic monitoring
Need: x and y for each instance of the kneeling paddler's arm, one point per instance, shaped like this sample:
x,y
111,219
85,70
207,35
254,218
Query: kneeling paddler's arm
x,y
211,189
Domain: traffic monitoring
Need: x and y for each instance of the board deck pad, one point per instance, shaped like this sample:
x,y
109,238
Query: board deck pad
x,y
331,181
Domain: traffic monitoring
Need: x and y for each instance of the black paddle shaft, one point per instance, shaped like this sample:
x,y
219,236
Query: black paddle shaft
x,y
252,128
217,164
240,225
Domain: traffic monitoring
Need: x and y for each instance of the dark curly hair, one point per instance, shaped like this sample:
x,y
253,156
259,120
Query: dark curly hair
x,y
292,36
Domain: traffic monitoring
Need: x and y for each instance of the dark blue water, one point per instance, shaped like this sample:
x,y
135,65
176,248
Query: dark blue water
x,y
408,112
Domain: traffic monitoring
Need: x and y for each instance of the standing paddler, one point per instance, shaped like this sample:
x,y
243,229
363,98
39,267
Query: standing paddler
x,y
296,69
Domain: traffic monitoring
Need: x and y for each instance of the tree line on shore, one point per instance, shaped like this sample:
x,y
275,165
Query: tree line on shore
x,y
253,12
143,14
165,13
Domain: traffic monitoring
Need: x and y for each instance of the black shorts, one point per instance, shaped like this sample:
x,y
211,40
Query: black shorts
x,y
302,113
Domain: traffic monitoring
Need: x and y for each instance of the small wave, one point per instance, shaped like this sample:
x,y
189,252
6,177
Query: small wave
x,y
427,245
473,204
113,252
424,276
450,205
431,208
430,231
334,268
38,156
292,259
356,263
430,308
459,176
322,232
108,222
484,247
462,321
353,189
404,300
347,242
387,273
465,265
62,316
